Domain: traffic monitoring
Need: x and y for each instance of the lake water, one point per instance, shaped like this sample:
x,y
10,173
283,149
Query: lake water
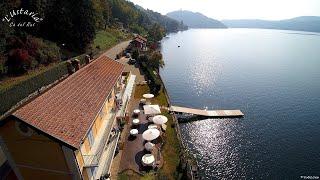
x,y
273,76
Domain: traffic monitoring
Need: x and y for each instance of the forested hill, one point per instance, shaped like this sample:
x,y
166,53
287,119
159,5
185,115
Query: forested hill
x,y
303,23
74,22
170,24
195,20
138,19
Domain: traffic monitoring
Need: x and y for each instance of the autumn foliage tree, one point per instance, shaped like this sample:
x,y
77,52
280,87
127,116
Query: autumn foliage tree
x,y
18,61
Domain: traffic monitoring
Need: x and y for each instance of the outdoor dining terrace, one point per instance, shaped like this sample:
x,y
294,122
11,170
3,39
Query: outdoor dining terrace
x,y
145,139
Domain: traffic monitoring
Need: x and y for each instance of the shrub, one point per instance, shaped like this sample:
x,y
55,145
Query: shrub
x,y
29,53
45,52
18,61
135,53
2,65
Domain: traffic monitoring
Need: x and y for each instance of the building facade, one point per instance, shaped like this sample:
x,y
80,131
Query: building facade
x,y
140,43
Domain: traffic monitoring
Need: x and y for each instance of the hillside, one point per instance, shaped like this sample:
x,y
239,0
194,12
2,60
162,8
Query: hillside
x,y
69,28
303,23
170,24
195,20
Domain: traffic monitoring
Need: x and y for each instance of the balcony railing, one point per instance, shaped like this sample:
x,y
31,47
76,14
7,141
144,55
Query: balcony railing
x,y
126,95
110,150
91,160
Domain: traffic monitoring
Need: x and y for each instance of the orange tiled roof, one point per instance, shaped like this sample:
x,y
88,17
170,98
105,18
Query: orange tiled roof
x,y
67,111
142,38
139,40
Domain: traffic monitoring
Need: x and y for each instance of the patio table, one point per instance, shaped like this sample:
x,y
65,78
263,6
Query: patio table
x,y
135,121
136,111
134,132
148,160
152,126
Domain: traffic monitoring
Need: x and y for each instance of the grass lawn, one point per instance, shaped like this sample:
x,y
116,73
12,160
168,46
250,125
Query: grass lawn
x,y
105,39
171,148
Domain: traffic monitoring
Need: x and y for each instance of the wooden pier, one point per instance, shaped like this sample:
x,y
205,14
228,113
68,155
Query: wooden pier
x,y
207,113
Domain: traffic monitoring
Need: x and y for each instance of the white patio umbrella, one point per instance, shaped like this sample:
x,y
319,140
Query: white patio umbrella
x,y
159,119
148,96
150,134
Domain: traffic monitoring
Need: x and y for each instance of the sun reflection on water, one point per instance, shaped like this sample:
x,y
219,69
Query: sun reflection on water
x,y
214,141
204,74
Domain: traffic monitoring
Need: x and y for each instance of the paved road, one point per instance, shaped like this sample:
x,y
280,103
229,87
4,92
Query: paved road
x,y
112,53
133,68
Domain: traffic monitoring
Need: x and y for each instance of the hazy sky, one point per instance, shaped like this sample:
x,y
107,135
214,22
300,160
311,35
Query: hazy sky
x,y
238,9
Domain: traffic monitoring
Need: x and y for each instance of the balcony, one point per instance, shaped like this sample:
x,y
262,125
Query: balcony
x,y
93,158
108,156
126,95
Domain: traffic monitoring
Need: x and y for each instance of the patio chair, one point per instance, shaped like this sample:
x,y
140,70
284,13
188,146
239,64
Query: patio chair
x,y
143,101
164,127
150,118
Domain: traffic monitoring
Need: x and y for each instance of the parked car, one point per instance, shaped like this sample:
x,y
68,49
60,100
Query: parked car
x,y
132,61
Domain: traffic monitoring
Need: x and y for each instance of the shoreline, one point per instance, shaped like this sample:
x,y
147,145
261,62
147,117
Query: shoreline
x,y
191,164
173,151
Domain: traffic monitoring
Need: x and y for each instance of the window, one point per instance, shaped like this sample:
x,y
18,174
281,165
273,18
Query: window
x,y
93,171
91,138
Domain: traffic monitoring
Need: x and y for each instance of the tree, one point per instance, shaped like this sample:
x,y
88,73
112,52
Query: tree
x,y
135,53
72,23
107,13
84,24
155,61
156,33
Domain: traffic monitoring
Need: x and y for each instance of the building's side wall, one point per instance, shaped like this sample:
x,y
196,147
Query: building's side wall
x,y
79,160
96,128
35,156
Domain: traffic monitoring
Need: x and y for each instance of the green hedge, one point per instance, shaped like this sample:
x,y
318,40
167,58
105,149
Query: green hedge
x,y
11,96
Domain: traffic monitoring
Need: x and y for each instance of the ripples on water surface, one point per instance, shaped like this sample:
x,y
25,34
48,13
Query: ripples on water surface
x,y
272,76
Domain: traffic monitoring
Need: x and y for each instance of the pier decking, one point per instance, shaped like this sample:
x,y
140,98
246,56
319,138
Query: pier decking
x,y
208,113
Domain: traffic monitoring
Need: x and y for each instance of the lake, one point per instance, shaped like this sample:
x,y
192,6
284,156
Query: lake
x,y
273,76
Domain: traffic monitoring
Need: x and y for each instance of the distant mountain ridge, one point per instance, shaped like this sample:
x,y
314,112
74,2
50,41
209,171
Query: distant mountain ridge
x,y
195,20
302,23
